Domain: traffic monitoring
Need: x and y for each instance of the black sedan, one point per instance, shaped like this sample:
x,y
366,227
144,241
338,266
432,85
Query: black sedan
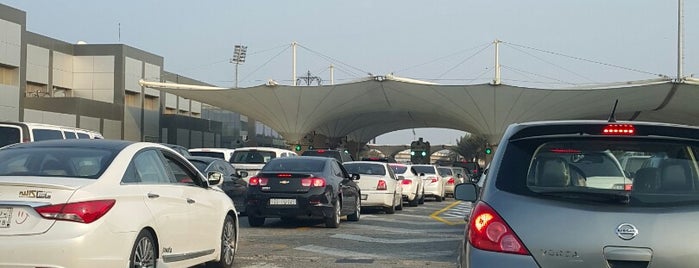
x,y
306,186
234,186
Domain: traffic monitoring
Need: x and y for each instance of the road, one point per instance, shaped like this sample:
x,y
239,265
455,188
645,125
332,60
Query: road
x,y
424,236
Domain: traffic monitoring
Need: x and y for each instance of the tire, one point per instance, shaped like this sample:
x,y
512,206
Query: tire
x,y
437,198
422,198
400,203
355,216
229,236
256,221
334,220
415,201
144,252
391,209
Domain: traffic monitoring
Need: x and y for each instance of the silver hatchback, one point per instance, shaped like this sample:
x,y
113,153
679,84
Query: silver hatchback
x,y
556,196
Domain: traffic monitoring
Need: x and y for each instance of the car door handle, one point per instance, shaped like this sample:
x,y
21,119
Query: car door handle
x,y
152,195
190,201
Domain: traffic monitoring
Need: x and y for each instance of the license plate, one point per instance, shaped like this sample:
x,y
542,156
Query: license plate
x,y
364,197
5,216
282,202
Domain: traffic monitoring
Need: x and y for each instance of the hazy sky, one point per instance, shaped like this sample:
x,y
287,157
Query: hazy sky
x,y
548,43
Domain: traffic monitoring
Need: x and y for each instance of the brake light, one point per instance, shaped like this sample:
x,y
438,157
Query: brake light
x,y
619,129
381,185
488,231
313,182
407,182
284,175
625,186
565,151
450,181
257,181
434,180
321,151
83,212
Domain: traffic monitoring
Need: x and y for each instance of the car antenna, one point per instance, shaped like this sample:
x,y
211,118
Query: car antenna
x,y
612,119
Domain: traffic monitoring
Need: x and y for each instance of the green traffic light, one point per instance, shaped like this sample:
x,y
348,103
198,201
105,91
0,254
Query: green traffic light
x,y
412,152
488,151
423,153
298,147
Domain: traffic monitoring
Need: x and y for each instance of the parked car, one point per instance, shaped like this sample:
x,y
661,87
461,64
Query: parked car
x,y
539,170
233,185
223,153
108,203
340,155
413,186
312,187
450,179
252,159
16,132
380,186
433,183
179,148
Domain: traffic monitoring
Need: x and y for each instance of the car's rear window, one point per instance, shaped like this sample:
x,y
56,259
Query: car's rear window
x,y
252,157
399,169
292,164
444,172
47,134
425,169
209,154
588,170
9,135
365,168
86,163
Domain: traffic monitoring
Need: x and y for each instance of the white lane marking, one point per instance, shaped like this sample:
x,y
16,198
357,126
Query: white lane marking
x,y
340,252
262,265
359,255
361,238
408,231
402,222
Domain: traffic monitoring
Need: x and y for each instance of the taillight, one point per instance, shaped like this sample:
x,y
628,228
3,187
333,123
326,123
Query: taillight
x,y
450,181
313,182
407,182
257,181
84,212
488,231
624,186
381,185
434,180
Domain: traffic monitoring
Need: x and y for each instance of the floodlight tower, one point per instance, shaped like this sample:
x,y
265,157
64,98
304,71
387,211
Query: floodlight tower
x,y
239,53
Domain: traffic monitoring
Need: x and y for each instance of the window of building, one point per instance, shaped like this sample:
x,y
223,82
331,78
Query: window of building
x,y
37,90
9,75
151,103
132,99
62,92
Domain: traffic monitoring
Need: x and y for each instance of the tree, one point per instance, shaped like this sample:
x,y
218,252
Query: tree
x,y
471,147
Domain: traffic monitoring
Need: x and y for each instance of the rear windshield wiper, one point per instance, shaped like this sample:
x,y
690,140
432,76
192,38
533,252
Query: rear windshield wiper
x,y
607,197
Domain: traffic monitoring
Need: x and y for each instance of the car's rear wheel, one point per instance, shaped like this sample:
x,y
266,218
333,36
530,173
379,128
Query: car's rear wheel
x,y
144,252
334,220
256,221
422,198
358,207
438,198
228,244
400,203
392,208
415,201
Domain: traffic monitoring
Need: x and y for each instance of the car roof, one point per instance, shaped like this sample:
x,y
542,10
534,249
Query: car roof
x,y
211,150
91,143
263,149
206,159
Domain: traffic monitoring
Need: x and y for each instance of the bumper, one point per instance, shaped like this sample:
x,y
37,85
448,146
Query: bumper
x,y
68,244
310,205
410,193
433,188
449,188
475,258
377,199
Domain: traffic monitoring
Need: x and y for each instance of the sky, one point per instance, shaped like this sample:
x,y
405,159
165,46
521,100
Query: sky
x,y
545,43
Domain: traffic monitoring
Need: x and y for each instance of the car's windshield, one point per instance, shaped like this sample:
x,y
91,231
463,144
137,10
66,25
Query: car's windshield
x,y
252,157
590,168
55,162
294,165
365,168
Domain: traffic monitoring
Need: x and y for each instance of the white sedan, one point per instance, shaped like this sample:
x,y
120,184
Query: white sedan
x,y
434,184
413,186
379,185
108,203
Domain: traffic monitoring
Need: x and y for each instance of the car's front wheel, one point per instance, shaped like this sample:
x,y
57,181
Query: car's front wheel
x,y
228,244
355,216
144,253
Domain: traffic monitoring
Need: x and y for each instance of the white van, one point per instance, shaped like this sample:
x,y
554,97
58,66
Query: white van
x,y
252,159
16,132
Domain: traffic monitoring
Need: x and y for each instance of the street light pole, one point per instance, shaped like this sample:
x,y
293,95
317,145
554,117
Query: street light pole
x,y
239,53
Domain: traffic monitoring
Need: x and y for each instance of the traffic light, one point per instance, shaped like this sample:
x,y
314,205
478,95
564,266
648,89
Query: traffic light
x,y
419,152
298,147
488,150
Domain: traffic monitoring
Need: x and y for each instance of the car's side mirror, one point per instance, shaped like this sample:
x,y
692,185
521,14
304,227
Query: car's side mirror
x,y
215,178
354,176
243,173
401,177
466,192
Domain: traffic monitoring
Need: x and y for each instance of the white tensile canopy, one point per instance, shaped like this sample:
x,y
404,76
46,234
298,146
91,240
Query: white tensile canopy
x,y
363,110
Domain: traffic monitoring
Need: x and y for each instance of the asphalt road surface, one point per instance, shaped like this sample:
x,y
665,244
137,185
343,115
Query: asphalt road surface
x,y
424,236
